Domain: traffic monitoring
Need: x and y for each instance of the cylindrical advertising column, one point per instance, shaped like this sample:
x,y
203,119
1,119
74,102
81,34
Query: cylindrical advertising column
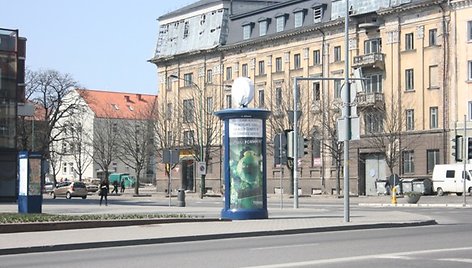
x,y
30,196
245,170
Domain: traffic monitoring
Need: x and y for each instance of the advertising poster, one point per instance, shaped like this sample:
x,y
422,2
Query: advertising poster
x,y
245,159
35,177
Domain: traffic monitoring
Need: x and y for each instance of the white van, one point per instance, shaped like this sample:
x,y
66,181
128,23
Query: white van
x,y
449,179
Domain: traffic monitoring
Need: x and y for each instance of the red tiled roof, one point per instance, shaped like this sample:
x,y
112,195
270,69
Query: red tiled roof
x,y
108,104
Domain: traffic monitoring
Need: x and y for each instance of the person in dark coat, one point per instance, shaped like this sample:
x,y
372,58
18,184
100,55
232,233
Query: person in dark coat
x,y
122,185
115,187
104,188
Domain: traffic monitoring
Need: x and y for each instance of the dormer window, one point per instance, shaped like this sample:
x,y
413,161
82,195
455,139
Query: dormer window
x,y
263,26
247,30
317,14
280,22
299,17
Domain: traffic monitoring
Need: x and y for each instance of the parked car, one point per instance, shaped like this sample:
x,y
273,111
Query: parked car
x,y
48,187
91,188
70,189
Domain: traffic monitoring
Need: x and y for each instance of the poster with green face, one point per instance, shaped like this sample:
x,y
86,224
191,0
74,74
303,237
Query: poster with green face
x,y
245,159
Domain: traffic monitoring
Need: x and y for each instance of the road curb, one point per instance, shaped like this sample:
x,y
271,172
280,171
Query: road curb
x,y
415,205
55,226
151,241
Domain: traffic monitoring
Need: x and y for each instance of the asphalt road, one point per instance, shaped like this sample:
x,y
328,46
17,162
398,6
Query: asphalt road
x,y
448,244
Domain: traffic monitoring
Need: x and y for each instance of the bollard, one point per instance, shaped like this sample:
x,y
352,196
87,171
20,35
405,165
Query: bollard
x,y
394,195
181,198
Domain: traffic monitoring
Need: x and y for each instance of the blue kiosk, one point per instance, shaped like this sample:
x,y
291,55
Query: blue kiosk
x,y
244,157
30,177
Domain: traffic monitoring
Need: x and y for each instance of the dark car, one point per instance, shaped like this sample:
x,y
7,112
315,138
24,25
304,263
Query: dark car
x,y
70,189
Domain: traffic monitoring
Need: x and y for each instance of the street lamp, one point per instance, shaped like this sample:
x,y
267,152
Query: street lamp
x,y
202,182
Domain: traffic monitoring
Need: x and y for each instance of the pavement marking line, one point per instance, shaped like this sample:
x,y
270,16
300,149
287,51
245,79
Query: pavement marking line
x,y
286,246
457,260
356,258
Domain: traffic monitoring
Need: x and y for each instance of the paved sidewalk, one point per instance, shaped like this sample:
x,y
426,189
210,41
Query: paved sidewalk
x,y
312,216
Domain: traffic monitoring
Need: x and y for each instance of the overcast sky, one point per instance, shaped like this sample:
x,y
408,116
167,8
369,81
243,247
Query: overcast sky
x,y
103,44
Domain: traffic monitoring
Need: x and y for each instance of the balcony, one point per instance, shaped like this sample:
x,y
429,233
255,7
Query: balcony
x,y
373,60
370,100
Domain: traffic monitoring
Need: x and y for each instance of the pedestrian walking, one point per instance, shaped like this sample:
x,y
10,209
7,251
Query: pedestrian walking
x,y
104,188
122,185
115,187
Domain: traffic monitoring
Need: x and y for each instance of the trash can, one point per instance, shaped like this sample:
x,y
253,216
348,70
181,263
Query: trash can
x,y
181,198
423,186
381,187
407,185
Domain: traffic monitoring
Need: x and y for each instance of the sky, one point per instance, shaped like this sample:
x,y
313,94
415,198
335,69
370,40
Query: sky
x,y
103,44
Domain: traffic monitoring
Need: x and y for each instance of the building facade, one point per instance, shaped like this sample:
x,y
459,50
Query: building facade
x,y
12,93
108,131
411,103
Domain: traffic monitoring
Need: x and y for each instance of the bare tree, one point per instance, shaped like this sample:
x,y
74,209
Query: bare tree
x,y
136,141
281,104
49,90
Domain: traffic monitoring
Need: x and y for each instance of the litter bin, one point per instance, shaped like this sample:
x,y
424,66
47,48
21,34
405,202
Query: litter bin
x,y
423,186
381,187
181,198
407,185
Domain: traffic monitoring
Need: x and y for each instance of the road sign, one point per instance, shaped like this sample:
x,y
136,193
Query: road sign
x,y
201,168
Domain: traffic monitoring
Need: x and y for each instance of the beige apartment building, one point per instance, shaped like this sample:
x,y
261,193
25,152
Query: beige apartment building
x,y
414,55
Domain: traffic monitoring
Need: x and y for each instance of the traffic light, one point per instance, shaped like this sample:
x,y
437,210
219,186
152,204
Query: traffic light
x,y
457,148
302,146
469,148
280,149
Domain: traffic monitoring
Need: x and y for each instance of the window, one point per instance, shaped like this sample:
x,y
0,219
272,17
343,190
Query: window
x,y
316,144
261,67
410,119
229,73
337,53
247,31
114,128
408,162
64,168
244,70
186,29
409,41
372,46
317,14
433,37
261,98
188,79
169,83
280,23
316,57
278,64
470,110
188,112
228,101
209,76
373,123
278,97
469,70
373,83
297,64
71,169
316,91
169,111
433,117
299,18
263,25
433,77
188,138
432,159
469,30
409,78
170,138
209,105
337,89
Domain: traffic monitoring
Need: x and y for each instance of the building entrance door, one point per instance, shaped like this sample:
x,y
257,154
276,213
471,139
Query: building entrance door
x,y
374,171
188,175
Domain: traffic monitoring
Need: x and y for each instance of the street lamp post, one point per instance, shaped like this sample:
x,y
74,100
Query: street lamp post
x,y
202,181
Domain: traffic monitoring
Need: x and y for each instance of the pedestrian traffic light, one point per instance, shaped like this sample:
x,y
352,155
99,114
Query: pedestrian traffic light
x,y
457,148
302,146
469,148
280,149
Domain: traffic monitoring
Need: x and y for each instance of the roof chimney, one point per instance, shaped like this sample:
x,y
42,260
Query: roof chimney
x,y
140,97
127,98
